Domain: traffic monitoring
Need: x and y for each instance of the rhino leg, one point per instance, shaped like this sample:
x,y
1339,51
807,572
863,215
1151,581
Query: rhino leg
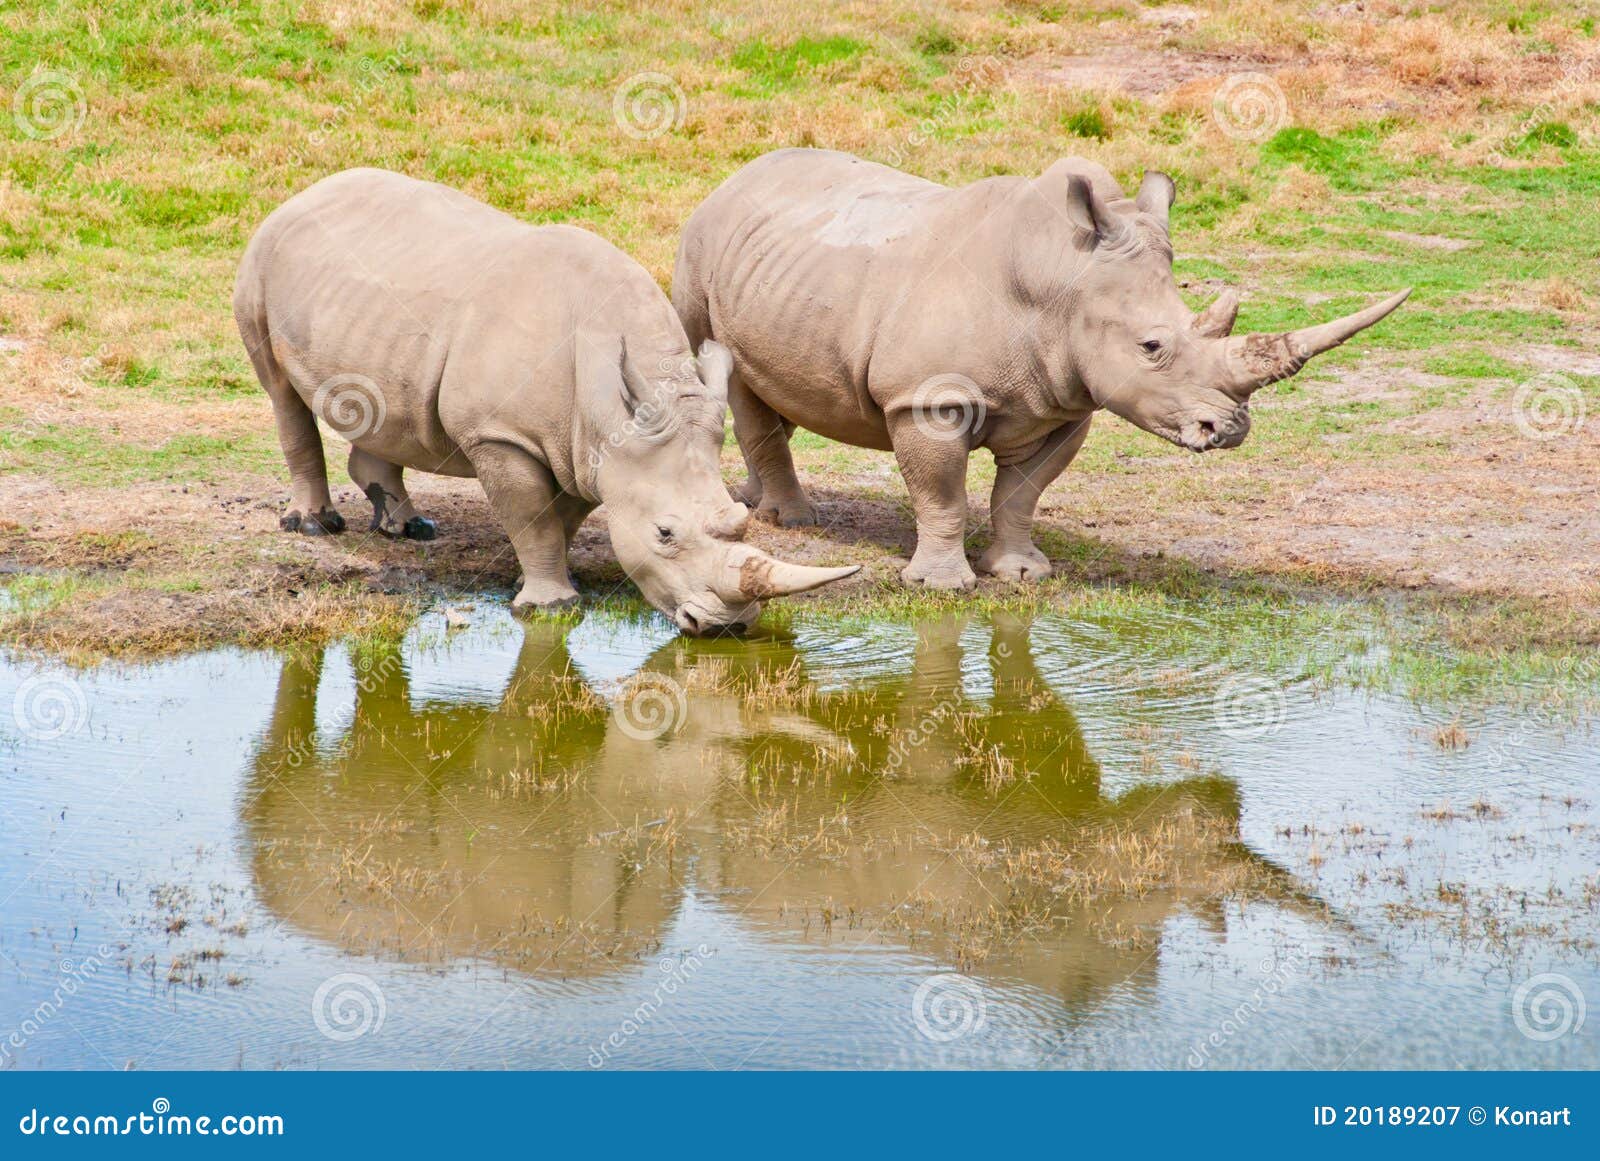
x,y
934,465
773,491
529,506
1011,554
310,509
573,512
392,511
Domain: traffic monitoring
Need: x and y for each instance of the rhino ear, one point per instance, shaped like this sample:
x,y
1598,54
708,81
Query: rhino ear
x,y
1155,195
636,391
1088,211
716,366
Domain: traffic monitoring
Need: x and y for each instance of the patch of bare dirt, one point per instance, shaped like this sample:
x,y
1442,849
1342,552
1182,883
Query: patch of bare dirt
x,y
1430,241
1563,360
1139,71
1484,511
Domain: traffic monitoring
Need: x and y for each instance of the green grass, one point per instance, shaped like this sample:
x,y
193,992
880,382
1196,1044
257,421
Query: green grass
x,y
76,455
197,127
770,68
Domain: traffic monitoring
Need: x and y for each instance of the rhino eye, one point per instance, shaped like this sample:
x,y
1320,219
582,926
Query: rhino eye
x,y
1150,346
664,535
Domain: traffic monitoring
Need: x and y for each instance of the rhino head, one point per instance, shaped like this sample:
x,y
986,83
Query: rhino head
x,y
1135,347
673,527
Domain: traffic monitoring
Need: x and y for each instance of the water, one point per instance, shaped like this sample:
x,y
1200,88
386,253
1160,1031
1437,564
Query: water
x,y
1017,844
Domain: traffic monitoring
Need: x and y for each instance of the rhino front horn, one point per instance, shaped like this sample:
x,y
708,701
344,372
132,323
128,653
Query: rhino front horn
x,y
1261,359
755,576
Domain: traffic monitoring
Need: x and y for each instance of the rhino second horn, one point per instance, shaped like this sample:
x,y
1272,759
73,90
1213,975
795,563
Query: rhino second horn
x,y
755,576
1262,359
1216,321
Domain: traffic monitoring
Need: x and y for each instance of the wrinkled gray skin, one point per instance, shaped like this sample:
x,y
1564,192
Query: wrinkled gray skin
x,y
885,311
436,333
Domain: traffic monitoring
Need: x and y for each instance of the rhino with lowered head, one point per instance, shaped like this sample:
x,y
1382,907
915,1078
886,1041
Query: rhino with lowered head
x,y
436,333
885,311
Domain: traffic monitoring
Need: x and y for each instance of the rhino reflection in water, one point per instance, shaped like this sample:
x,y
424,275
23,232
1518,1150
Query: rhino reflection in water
x,y
551,834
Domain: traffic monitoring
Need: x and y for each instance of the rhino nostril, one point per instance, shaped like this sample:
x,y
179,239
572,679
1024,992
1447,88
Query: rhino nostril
x,y
1208,429
688,622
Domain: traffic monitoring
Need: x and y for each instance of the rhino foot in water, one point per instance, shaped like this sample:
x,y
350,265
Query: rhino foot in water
x,y
884,311
436,333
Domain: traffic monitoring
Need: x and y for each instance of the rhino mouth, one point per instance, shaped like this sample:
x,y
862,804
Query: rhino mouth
x,y
1203,435
697,621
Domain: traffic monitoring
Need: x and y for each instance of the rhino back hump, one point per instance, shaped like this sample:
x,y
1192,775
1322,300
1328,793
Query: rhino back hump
x,y
432,295
807,260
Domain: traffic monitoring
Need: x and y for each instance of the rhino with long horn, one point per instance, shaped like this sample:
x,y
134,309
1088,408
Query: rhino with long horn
x,y
433,332
885,311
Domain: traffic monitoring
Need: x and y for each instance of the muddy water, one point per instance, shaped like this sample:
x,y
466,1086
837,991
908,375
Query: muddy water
x,y
1019,843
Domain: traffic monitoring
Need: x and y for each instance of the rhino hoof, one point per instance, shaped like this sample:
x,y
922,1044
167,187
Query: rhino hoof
x,y
1016,567
420,528
956,578
800,515
320,523
552,603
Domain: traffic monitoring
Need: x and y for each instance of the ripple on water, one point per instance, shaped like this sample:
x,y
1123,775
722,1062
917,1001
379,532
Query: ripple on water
x,y
1043,842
